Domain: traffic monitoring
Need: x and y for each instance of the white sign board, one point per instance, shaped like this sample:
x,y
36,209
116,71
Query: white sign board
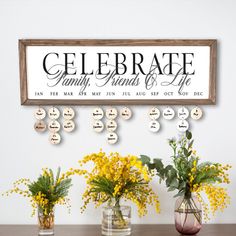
x,y
90,72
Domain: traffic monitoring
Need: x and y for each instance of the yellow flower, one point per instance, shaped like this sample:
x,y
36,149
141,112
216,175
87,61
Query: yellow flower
x,y
217,196
40,199
114,177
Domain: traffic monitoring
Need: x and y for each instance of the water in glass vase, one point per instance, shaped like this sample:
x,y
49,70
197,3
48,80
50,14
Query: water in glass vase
x,y
46,223
116,221
188,215
187,223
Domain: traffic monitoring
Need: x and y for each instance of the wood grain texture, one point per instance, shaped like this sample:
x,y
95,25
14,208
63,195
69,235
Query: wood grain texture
x,y
23,43
137,230
117,42
48,102
23,72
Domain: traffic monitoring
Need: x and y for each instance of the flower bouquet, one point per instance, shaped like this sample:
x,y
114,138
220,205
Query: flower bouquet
x,y
44,194
194,181
112,179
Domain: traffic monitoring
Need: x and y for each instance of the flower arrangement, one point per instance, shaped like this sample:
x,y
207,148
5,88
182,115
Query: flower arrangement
x,y
115,177
188,176
44,193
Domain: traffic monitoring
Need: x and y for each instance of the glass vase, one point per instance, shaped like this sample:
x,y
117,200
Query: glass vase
x,y
116,220
188,215
45,222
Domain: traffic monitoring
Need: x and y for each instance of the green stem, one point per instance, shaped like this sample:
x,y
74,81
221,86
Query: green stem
x,y
118,212
189,202
185,220
196,214
186,196
192,207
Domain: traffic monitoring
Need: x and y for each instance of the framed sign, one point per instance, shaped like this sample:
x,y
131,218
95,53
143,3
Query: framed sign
x,y
102,72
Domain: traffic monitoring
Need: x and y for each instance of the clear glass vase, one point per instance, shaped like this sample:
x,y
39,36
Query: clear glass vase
x,y
45,222
188,215
116,220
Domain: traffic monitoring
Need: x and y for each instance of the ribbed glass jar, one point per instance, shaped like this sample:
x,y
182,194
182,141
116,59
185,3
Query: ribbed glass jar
x,y
116,220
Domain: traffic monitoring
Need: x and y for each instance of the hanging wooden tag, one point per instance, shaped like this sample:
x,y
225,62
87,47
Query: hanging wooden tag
x,y
97,113
126,113
182,125
168,113
68,125
111,113
98,126
68,113
112,138
54,126
53,113
196,113
40,126
54,138
111,125
154,113
154,126
183,113
40,113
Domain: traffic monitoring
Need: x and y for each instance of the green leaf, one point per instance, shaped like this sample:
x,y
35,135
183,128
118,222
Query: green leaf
x,y
50,187
151,166
185,152
174,183
173,173
188,135
168,181
170,189
58,173
158,164
52,176
182,185
189,153
204,164
179,194
168,167
145,159
190,144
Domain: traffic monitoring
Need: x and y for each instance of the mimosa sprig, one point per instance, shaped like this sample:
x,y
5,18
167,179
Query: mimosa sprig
x,y
47,191
187,175
115,177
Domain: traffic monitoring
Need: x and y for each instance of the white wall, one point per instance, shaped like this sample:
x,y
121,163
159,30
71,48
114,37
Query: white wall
x,y
23,152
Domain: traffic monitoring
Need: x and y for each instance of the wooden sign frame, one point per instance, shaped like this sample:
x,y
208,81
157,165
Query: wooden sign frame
x,y
29,68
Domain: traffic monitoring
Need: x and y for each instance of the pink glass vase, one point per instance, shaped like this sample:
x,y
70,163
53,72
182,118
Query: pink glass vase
x,y
188,215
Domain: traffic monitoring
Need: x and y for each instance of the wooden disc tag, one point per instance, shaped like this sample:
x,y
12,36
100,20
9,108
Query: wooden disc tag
x,y
112,138
154,113
68,125
168,113
98,126
111,113
154,126
182,125
196,113
97,113
126,113
53,113
68,113
40,126
40,113
111,125
54,126
183,113
54,138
